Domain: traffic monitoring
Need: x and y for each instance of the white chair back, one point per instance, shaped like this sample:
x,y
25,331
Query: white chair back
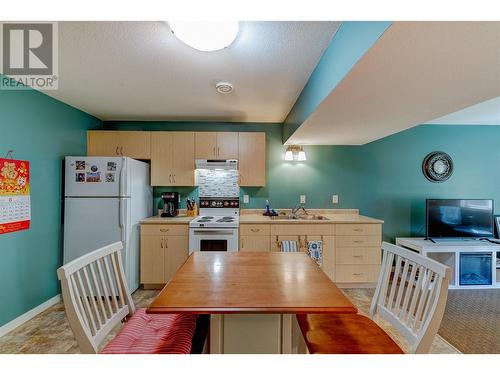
x,y
411,294
96,295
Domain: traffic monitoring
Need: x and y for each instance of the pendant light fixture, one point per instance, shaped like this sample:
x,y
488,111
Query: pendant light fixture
x,y
205,35
295,153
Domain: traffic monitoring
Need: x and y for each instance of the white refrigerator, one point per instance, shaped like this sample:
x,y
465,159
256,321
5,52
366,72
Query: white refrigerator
x,y
104,200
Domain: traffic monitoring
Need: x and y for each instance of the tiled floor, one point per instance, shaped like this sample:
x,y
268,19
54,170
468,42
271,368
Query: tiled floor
x,y
49,332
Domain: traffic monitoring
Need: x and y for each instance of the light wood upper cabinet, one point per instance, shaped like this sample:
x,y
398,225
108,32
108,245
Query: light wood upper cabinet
x,y
252,159
227,145
172,158
205,145
135,144
216,145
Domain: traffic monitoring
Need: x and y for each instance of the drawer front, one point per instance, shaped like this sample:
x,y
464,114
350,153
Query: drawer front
x,y
358,241
356,273
255,229
358,255
302,229
164,230
358,229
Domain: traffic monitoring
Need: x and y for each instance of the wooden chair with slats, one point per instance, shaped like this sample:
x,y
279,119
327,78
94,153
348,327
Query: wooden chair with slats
x,y
411,294
96,298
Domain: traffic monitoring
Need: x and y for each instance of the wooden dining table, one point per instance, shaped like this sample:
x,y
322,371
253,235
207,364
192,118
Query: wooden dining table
x,y
252,298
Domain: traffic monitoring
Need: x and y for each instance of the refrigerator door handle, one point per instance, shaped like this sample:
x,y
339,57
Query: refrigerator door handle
x,y
121,221
121,181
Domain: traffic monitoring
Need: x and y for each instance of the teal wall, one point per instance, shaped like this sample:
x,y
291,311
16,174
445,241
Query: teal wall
x,y
42,130
351,41
383,178
394,188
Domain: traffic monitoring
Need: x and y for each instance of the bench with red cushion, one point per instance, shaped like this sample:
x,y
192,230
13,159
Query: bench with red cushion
x,y
154,334
345,334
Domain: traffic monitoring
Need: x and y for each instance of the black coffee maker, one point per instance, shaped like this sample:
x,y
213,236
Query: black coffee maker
x,y
170,204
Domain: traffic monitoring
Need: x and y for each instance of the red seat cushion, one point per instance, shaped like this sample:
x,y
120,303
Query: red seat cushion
x,y
345,334
154,334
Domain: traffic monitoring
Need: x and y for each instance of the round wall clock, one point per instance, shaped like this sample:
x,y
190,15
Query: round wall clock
x,y
437,166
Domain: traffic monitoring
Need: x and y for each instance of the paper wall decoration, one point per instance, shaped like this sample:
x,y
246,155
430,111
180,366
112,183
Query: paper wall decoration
x,y
15,206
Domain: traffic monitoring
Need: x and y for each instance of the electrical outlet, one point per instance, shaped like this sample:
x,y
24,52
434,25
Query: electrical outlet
x,y
302,199
335,199
246,199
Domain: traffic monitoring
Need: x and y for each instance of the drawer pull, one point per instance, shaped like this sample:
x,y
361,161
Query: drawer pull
x,y
358,241
358,273
255,230
163,230
357,256
358,230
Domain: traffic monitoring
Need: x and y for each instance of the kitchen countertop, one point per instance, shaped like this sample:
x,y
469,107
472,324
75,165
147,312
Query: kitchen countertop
x,y
331,219
180,219
254,217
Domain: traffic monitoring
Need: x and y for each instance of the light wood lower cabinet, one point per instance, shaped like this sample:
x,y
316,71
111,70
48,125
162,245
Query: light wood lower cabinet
x,y
255,243
357,253
164,248
351,252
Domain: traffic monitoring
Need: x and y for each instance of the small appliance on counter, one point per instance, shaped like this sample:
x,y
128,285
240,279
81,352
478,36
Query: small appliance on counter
x,y
170,204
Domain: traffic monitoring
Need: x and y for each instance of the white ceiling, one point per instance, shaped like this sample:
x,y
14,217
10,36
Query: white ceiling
x,y
485,113
416,72
140,71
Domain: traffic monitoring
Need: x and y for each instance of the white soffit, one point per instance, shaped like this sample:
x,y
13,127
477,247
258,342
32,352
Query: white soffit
x,y
416,72
485,113
141,71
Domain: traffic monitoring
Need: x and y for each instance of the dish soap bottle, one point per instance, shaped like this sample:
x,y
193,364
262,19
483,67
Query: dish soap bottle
x,y
268,208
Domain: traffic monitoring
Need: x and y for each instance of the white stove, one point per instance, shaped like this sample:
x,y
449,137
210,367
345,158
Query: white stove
x,y
216,228
215,222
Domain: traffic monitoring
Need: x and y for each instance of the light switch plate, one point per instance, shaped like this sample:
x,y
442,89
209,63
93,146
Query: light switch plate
x,y
335,199
246,199
302,199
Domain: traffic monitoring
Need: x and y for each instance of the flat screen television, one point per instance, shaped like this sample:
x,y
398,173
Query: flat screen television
x,y
459,218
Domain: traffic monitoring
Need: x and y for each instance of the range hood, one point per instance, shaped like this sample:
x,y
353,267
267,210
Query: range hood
x,y
230,164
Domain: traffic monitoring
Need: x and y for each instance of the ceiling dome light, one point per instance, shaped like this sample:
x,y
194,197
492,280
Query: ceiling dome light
x,y
223,87
205,35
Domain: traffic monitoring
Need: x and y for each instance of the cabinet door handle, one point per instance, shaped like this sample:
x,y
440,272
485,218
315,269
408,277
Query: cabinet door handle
x,y
164,230
166,243
121,150
357,273
170,178
161,243
218,151
255,230
116,151
213,152
173,177
242,243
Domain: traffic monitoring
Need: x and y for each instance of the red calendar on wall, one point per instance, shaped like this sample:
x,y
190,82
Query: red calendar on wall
x,y
15,204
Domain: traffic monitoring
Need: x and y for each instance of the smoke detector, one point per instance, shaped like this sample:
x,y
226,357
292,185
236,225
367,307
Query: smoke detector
x,y
223,87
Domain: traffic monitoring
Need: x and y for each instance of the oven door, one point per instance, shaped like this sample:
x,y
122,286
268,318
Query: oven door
x,y
213,239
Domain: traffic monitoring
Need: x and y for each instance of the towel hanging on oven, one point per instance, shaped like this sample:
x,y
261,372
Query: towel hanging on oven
x,y
289,246
315,250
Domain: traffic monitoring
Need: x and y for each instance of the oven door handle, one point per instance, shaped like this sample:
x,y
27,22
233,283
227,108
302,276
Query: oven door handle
x,y
213,232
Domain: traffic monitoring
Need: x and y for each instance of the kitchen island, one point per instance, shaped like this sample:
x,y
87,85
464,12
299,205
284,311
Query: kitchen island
x,y
252,298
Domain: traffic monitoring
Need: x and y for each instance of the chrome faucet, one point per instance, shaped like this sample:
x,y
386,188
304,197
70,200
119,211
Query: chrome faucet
x,y
298,208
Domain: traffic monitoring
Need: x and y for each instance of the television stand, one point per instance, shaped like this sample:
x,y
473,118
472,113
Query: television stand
x,y
474,264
